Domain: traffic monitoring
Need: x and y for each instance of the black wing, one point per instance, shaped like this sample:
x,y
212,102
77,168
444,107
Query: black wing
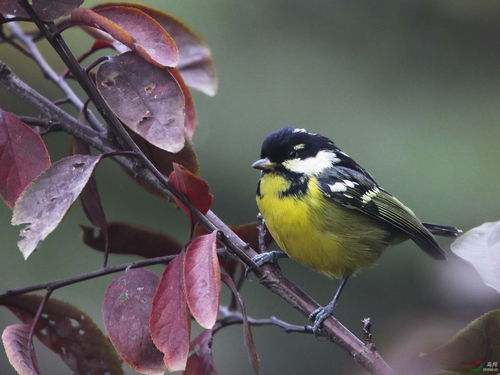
x,y
355,189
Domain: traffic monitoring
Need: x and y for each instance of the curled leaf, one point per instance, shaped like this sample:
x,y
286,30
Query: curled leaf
x,y
196,62
190,119
202,279
15,340
126,311
135,29
70,333
23,156
146,98
125,238
193,187
480,246
45,202
170,323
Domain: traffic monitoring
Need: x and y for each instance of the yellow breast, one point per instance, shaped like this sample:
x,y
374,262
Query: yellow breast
x,y
319,233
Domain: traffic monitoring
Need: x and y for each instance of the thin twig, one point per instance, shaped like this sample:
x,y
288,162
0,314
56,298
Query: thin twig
x,y
51,74
230,317
35,320
53,285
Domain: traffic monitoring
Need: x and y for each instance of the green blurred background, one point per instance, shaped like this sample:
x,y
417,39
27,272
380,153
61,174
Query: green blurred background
x,y
410,89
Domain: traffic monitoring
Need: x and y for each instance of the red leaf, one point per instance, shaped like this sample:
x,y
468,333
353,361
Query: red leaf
x,y
126,238
146,98
190,121
15,339
194,188
170,323
202,279
70,333
135,29
23,156
247,329
201,362
196,63
126,311
45,202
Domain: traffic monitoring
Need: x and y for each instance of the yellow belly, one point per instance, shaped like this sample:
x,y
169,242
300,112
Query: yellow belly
x,y
321,234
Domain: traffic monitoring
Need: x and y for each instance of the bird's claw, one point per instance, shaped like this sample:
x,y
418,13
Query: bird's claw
x,y
318,316
269,257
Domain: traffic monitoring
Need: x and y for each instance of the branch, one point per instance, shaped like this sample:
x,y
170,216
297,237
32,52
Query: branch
x,y
51,74
53,285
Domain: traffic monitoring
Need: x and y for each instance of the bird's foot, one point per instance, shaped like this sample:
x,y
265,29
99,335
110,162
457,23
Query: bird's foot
x,y
319,315
269,257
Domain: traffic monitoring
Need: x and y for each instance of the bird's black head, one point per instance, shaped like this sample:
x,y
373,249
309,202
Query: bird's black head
x,y
296,150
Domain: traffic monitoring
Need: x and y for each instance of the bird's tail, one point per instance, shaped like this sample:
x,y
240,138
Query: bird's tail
x,y
442,230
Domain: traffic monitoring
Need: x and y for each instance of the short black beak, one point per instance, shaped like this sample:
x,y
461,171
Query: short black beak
x,y
264,164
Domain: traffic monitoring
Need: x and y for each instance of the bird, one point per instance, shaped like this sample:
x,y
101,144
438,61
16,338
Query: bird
x,y
327,212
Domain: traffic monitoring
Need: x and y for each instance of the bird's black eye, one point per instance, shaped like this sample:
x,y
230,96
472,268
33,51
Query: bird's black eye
x,y
293,154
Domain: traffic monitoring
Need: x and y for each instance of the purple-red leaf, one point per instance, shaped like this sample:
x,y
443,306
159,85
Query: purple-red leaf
x,y
193,187
15,340
23,156
196,63
201,362
202,279
146,98
47,10
247,329
190,119
135,29
131,239
70,333
170,323
126,311
45,202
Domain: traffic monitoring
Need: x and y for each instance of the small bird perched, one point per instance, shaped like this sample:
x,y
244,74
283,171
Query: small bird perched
x,y
327,212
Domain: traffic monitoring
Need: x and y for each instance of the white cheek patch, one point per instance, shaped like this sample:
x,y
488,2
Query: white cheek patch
x,y
313,165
